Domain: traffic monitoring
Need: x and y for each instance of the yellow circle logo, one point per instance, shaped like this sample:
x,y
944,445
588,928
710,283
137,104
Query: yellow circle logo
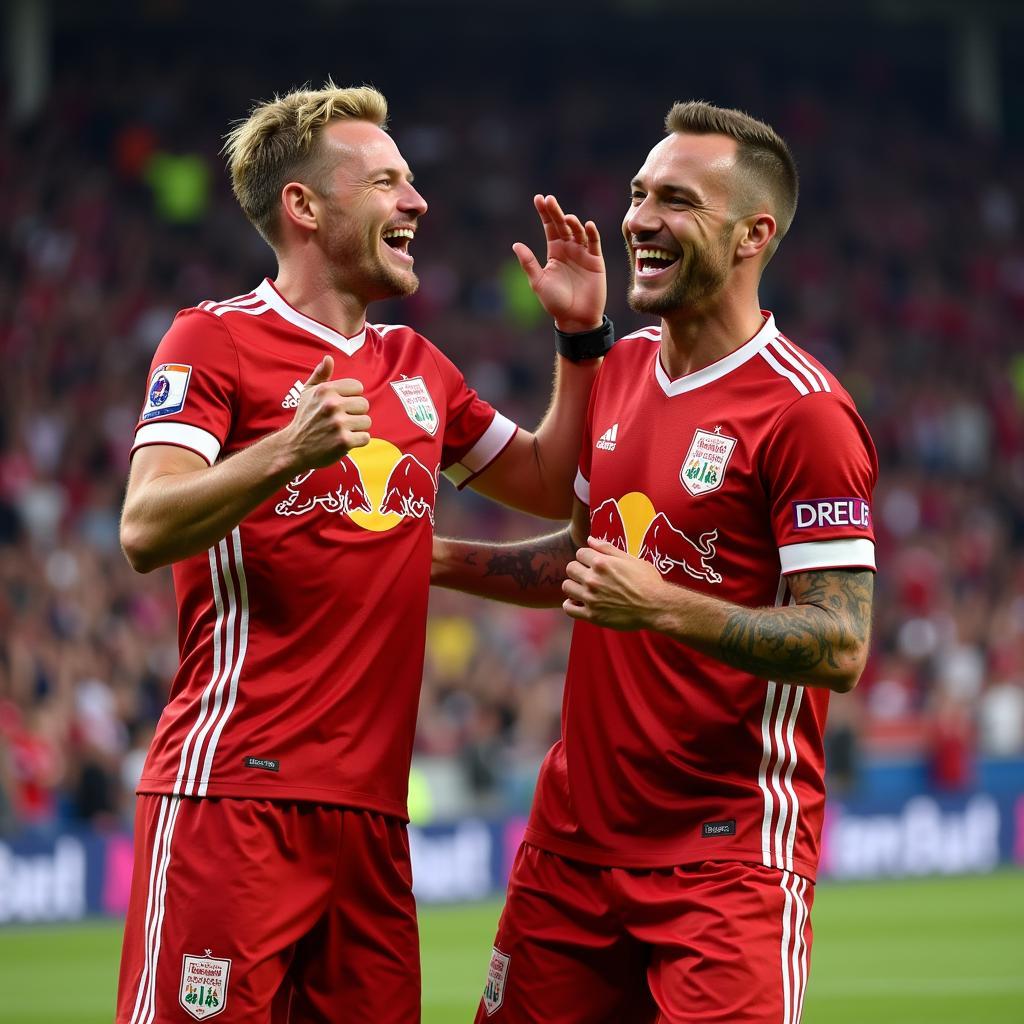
x,y
397,486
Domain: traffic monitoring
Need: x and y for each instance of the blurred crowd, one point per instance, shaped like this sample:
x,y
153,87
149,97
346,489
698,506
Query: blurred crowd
x,y
904,272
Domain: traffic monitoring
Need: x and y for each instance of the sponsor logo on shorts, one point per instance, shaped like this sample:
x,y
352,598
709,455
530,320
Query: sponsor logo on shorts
x,y
821,512
204,985
268,764
718,828
497,973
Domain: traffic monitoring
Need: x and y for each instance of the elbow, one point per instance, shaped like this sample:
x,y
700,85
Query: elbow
x,y
140,554
849,670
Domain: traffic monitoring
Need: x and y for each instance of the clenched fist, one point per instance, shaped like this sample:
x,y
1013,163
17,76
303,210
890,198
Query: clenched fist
x,y
331,419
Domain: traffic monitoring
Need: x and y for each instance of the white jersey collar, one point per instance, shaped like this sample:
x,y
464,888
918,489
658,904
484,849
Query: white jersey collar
x,y
276,301
719,368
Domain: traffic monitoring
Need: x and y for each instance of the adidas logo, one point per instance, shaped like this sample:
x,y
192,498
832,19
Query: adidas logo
x,y
291,400
606,442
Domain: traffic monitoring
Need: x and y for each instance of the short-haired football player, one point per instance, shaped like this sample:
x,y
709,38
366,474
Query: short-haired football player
x,y
286,462
719,567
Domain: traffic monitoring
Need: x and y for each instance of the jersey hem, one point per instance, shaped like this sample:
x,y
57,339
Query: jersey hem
x,y
667,857
263,791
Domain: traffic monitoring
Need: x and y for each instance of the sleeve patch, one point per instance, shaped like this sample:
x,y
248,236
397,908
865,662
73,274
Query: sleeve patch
x,y
821,513
167,390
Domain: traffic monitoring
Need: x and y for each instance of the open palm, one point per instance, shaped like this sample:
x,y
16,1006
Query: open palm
x,y
571,285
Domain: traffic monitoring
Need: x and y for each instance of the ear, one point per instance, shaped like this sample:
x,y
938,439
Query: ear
x,y
300,206
756,233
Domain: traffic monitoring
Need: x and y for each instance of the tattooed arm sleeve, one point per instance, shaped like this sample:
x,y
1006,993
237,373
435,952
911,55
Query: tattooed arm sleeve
x,y
819,640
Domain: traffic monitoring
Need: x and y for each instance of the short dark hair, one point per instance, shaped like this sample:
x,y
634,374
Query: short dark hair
x,y
761,152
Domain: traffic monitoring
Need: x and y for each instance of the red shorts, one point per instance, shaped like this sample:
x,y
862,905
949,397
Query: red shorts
x,y
257,911
726,942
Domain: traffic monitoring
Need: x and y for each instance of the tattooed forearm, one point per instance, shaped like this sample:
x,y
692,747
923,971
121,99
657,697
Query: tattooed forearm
x,y
821,639
529,572
540,563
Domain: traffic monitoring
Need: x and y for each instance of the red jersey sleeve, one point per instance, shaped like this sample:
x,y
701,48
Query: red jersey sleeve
x,y
475,434
819,470
581,486
192,383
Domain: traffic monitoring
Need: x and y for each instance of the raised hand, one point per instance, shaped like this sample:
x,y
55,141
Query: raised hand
x,y
331,418
571,285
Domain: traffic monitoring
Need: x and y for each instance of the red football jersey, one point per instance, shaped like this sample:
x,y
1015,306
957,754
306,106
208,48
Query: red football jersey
x,y
726,480
301,633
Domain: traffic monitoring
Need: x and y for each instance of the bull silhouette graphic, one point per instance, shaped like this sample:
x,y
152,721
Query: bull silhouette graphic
x,y
335,488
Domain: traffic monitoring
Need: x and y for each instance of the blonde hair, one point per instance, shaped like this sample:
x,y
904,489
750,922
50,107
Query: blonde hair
x,y
761,153
280,142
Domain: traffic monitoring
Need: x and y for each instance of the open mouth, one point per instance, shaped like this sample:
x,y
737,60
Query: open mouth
x,y
397,240
652,262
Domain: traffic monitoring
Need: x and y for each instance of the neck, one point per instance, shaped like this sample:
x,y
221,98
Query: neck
x,y
694,338
311,291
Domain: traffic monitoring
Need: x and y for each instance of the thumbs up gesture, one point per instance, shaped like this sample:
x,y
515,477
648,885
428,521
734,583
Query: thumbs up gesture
x,y
330,420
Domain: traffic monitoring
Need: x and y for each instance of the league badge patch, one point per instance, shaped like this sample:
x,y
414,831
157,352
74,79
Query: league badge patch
x,y
204,985
167,389
703,469
497,972
418,404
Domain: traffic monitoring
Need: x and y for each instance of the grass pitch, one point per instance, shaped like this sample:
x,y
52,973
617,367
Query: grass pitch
x,y
936,951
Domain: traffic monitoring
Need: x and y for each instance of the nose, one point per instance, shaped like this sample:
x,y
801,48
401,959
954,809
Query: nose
x,y
640,219
412,202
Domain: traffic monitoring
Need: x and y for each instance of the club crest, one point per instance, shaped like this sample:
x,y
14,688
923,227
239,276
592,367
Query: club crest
x,y
204,985
418,404
497,972
703,469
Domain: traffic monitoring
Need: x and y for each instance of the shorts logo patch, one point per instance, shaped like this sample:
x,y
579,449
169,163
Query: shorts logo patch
x,y
204,985
418,404
167,389
703,469
497,972
718,828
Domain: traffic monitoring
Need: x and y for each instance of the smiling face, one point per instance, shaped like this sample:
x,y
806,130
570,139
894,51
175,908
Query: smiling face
x,y
679,225
370,211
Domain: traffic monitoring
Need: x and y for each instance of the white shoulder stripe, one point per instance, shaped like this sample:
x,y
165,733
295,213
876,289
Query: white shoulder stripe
x,y
787,358
805,362
383,329
254,310
648,333
238,300
783,372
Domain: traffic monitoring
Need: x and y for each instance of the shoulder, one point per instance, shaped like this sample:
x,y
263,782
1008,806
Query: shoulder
x,y
633,348
805,373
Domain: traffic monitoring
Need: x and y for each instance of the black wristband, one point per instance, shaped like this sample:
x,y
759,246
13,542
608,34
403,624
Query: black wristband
x,y
586,344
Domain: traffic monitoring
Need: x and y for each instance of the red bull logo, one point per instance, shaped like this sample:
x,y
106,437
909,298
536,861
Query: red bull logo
x,y
631,524
338,488
377,487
